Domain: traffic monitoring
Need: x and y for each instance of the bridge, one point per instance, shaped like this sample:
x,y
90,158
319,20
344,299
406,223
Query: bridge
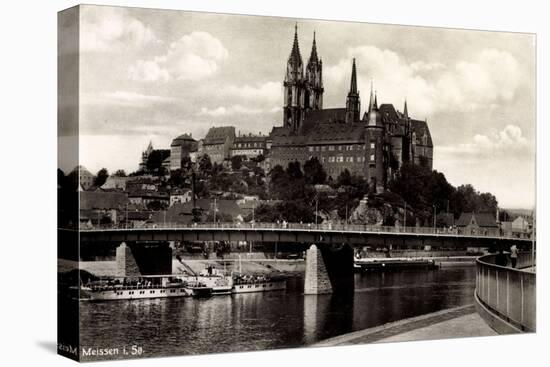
x,y
330,247
294,232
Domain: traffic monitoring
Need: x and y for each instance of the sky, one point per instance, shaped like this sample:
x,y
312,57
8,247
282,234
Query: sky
x,y
151,75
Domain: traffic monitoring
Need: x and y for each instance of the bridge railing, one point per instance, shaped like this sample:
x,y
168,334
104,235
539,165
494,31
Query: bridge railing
x,y
338,227
508,293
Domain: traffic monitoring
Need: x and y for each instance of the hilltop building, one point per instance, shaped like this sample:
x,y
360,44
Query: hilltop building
x,y
180,148
218,142
145,156
374,145
85,177
250,146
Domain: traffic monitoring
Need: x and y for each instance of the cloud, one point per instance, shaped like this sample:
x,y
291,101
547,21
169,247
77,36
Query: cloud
x,y
269,92
194,56
124,98
507,142
234,109
488,78
109,28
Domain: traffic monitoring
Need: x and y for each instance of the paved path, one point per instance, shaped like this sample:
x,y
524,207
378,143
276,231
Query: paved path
x,y
457,322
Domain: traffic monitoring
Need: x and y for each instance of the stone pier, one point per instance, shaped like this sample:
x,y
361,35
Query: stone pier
x,y
316,280
143,259
329,268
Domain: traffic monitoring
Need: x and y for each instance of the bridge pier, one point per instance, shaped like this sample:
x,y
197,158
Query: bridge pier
x,y
329,269
143,259
316,280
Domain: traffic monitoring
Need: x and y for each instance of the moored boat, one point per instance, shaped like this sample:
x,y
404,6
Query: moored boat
x,y
127,288
249,284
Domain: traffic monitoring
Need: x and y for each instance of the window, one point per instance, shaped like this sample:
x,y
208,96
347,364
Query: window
x,y
339,147
372,145
311,149
351,159
323,148
331,148
372,157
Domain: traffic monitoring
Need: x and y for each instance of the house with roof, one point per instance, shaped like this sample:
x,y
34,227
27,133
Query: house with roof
x,y
115,183
477,224
85,177
183,213
519,227
101,207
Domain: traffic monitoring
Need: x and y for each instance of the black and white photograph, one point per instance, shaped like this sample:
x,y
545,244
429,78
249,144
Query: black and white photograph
x,y
234,183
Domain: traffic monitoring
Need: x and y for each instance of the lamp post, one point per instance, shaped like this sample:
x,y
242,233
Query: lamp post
x,y
434,216
405,217
214,211
316,210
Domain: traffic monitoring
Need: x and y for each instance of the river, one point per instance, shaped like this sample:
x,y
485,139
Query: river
x,y
278,319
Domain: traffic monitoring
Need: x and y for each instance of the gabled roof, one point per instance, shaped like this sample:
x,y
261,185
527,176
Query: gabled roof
x,y
182,212
250,138
421,128
324,116
183,139
388,112
481,219
336,133
218,135
102,200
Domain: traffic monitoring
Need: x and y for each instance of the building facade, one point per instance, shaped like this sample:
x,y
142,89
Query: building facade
x,y
250,146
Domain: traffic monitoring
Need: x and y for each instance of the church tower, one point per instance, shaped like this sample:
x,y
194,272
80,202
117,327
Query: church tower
x,y
314,80
375,149
353,103
294,88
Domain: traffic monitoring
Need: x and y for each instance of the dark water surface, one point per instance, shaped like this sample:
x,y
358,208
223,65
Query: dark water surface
x,y
279,319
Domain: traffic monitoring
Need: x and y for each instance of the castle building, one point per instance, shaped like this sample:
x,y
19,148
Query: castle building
x,y
218,142
180,148
373,146
250,146
145,156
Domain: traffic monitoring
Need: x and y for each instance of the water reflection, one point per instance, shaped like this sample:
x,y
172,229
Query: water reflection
x,y
270,320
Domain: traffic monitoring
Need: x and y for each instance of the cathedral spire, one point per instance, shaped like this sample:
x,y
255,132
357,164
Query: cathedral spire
x,y
375,100
353,84
372,100
405,110
353,104
313,57
295,56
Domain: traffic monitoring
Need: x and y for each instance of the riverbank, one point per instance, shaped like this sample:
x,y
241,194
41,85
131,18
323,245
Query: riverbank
x,y
458,322
262,266
249,266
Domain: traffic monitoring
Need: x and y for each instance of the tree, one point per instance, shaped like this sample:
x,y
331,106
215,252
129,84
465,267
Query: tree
x,y
155,159
186,163
101,177
293,170
314,172
176,178
205,165
236,162
344,179
120,173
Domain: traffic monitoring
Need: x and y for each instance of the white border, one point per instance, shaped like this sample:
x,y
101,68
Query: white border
x,y
28,306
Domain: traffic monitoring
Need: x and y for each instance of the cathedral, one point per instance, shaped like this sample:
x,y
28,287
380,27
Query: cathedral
x,y
373,145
